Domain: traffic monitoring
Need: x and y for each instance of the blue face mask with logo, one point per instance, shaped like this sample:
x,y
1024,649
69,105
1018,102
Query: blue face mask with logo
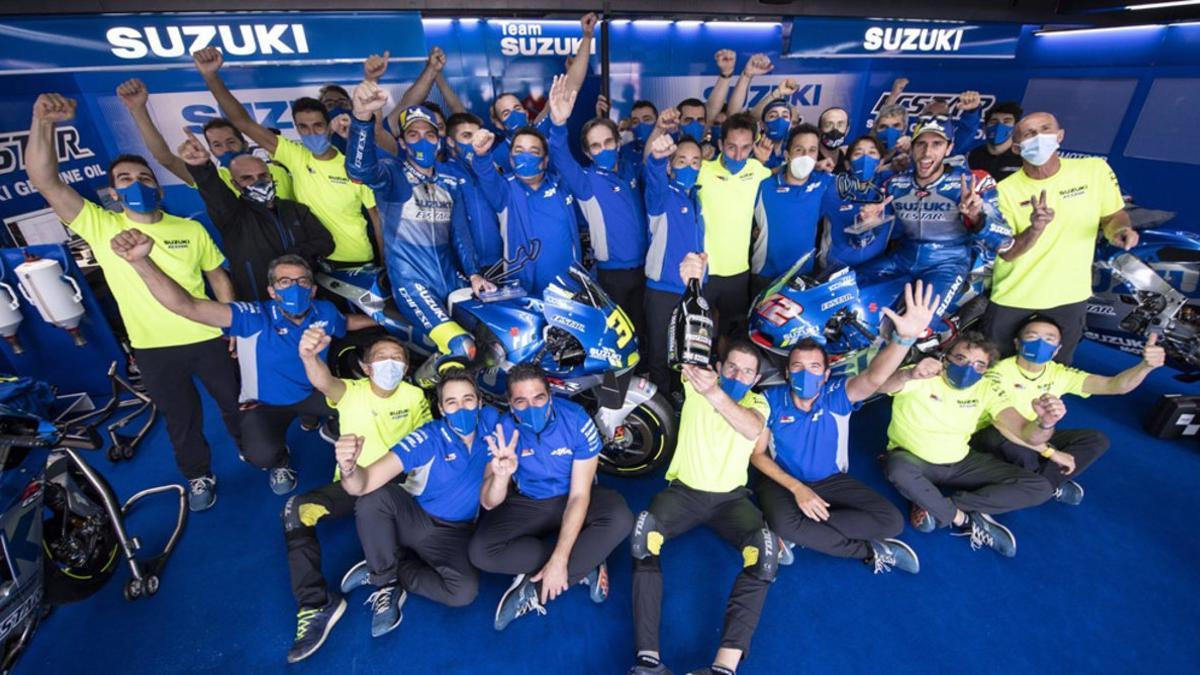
x,y
735,166
225,158
642,131
864,167
526,164
294,299
1037,350
139,197
806,384
693,129
463,420
423,153
734,388
777,129
516,119
998,134
534,417
317,144
605,159
888,136
685,177
465,150
962,376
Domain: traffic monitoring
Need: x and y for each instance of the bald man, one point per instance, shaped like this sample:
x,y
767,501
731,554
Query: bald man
x,y
1055,206
256,226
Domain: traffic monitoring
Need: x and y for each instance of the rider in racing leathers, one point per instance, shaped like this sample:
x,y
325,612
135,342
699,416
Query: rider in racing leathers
x,y
942,211
423,218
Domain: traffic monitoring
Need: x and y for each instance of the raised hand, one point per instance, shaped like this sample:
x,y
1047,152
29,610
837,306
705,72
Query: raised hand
x,y
787,88
759,64
346,451
662,147
54,108
132,244
340,125
208,60
692,266
726,61
588,23
191,150
504,452
899,85
968,100
133,93
668,120
919,306
703,380
481,142
436,60
602,106
375,66
926,368
970,204
762,149
368,98
562,100
1042,214
825,165
1049,409
313,342
1153,354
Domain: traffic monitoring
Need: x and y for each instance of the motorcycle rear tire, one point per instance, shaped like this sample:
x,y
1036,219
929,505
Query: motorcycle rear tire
x,y
65,584
653,424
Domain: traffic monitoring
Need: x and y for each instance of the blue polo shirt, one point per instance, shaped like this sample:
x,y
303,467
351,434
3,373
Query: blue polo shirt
x,y
676,227
268,346
545,460
813,445
444,475
485,228
785,222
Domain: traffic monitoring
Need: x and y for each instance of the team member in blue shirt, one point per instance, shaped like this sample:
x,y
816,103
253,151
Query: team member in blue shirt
x,y
275,390
555,528
481,218
608,196
805,492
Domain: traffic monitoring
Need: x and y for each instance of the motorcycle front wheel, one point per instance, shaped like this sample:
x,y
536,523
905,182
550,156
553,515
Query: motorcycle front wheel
x,y
644,443
79,541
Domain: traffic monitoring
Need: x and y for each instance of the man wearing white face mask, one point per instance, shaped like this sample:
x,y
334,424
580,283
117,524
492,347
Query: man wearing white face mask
x,y
787,209
1055,205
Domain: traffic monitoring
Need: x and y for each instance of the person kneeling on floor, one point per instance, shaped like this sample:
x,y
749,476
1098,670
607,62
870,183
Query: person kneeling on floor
x,y
380,410
1033,373
805,492
937,407
549,450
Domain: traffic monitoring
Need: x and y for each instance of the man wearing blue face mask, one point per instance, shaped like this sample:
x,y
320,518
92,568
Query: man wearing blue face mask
x,y
544,520
997,155
807,495
937,407
1033,373
776,115
485,227
336,100
170,349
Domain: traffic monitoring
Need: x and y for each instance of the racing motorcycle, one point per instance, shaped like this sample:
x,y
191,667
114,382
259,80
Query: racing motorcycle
x,y
574,331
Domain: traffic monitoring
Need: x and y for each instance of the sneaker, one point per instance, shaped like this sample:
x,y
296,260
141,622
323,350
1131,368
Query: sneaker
x,y
357,577
202,493
893,553
597,583
648,666
1070,493
312,627
385,609
985,531
309,423
922,520
520,599
786,556
282,480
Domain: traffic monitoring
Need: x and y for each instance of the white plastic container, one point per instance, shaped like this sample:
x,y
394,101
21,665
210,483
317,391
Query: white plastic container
x,y
10,316
55,295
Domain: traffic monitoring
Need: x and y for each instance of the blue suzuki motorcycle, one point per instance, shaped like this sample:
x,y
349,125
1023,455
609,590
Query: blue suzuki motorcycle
x,y
574,331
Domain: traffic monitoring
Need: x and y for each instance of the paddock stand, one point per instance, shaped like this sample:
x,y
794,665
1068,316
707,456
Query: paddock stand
x,y
122,445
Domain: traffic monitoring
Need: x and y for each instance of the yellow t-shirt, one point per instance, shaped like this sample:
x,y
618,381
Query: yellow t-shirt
x,y
183,250
382,422
1023,387
283,180
935,421
727,202
1057,270
324,187
710,455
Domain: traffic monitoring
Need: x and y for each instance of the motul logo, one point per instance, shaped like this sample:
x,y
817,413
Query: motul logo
x,y
912,39
175,41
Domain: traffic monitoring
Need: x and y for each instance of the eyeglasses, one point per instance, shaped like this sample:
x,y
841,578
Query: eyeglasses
x,y
288,282
960,360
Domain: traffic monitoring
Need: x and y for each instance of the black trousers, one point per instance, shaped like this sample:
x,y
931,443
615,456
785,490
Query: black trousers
x,y
300,516
264,429
626,288
167,375
758,284
981,483
1085,445
517,537
1000,324
406,545
736,520
659,305
857,516
729,297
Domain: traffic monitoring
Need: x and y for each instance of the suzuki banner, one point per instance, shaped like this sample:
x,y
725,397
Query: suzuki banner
x,y
875,38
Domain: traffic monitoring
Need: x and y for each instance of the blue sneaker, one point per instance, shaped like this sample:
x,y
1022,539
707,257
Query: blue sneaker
x,y
520,599
597,583
786,555
1070,493
202,493
985,531
891,553
357,577
385,609
922,520
282,480
312,627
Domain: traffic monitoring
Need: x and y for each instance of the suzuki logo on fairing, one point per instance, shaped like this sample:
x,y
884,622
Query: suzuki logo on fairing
x,y
912,39
175,41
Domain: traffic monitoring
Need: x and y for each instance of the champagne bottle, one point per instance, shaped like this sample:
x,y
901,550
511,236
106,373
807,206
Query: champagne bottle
x,y
690,333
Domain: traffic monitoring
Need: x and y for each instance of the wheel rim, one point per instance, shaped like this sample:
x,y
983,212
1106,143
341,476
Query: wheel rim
x,y
637,442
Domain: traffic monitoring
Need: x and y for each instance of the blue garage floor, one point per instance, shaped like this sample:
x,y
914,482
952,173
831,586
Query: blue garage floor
x,y
1107,586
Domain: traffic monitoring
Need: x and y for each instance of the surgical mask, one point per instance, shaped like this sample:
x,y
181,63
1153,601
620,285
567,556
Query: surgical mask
x,y
260,191
534,417
777,129
693,129
806,384
516,119
888,136
423,153
294,299
962,376
735,166
800,167
998,134
605,159
463,420
317,144
465,150
387,374
642,131
734,388
864,167
1037,350
833,139
685,177
1038,150
225,158
526,164
139,197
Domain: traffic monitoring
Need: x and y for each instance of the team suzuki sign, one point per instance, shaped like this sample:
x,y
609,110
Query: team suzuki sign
x,y
865,38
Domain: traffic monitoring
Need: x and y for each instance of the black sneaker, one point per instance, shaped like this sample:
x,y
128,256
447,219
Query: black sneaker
x,y
312,627
646,665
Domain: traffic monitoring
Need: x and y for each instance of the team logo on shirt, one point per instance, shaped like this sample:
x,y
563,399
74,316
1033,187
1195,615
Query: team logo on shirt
x,y
451,457
176,244
787,419
1077,191
812,186
397,414
616,188
969,403
560,452
527,452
